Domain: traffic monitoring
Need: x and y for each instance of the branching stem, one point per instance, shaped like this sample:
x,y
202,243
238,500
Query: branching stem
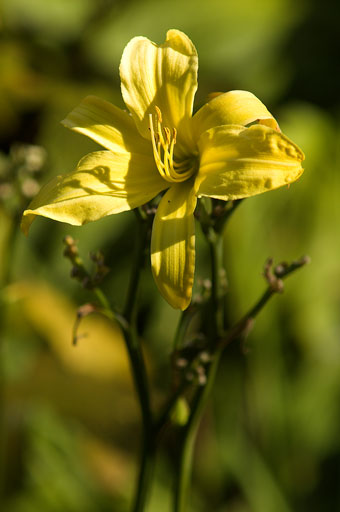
x,y
188,434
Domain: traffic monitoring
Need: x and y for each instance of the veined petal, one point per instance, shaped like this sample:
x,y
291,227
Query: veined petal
x,y
102,184
160,75
110,126
238,162
234,107
173,244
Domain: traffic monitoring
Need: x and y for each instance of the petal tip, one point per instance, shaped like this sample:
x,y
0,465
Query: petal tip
x,y
26,221
180,42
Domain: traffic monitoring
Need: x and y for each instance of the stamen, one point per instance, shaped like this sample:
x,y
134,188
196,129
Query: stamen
x,y
163,143
167,135
159,114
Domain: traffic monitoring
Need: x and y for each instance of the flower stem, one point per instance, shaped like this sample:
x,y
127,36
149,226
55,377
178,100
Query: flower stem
x,y
134,349
130,303
188,434
184,321
245,324
215,247
145,471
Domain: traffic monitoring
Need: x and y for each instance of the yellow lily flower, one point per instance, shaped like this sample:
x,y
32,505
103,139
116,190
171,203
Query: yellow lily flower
x,y
159,145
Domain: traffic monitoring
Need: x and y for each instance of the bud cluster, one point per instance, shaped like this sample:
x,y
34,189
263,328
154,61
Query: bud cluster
x,y
192,363
19,175
78,270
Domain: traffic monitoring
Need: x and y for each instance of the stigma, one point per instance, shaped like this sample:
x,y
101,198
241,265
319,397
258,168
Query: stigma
x,y
163,142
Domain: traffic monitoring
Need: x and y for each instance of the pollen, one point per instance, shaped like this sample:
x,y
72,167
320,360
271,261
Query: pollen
x,y
163,143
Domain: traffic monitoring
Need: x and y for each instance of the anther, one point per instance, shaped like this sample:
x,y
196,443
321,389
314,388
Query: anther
x,y
159,114
167,134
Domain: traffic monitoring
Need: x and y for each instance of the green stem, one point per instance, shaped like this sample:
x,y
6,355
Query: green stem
x,y
128,325
103,300
183,323
130,303
243,326
148,445
145,471
221,221
179,389
139,374
215,248
127,322
188,435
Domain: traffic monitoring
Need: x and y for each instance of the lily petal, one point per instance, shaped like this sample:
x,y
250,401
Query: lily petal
x,y
238,162
108,125
173,244
233,107
102,184
160,75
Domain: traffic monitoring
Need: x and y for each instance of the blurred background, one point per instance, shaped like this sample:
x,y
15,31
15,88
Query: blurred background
x,y
270,440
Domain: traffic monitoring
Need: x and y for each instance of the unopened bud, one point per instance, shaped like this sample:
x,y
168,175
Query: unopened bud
x,y
180,412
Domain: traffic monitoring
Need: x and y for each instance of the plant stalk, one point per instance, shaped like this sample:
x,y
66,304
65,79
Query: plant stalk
x,y
188,438
189,432
137,363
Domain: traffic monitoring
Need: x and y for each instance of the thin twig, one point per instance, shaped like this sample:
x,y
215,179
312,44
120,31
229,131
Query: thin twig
x,y
274,277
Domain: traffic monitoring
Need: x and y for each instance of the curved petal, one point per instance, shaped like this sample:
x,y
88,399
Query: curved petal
x,y
234,107
110,126
160,75
102,184
173,244
240,162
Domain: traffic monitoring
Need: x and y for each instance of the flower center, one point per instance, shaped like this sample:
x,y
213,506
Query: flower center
x,y
163,143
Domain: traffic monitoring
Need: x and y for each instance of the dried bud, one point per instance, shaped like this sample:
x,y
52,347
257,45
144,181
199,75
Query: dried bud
x,y
281,269
202,379
97,257
68,240
30,187
277,285
205,357
267,270
206,284
30,156
181,362
71,252
305,260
